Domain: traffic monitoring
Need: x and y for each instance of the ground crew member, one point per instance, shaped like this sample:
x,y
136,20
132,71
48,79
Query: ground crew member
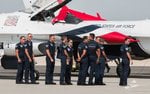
x,y
20,54
93,56
104,54
100,67
64,57
50,60
83,60
126,60
29,60
69,50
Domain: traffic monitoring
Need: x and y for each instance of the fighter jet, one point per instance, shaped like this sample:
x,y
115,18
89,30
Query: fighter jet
x,y
44,17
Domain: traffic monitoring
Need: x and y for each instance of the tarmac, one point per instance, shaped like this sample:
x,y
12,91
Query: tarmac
x,y
138,82
140,68
135,86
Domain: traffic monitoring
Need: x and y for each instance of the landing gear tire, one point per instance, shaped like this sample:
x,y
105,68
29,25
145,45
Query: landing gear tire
x,y
37,74
9,62
119,69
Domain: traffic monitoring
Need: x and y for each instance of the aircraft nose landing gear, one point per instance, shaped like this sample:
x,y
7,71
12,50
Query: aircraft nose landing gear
x,y
37,74
11,63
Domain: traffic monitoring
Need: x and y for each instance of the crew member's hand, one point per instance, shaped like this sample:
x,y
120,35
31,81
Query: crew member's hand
x,y
131,62
19,60
79,59
107,60
33,59
52,60
67,62
97,61
68,59
30,60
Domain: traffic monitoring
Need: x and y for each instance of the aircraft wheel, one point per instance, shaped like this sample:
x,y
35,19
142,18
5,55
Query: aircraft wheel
x,y
9,62
37,74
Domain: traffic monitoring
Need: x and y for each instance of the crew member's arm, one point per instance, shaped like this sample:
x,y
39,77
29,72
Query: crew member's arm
x,y
48,53
98,53
33,57
27,53
84,53
17,55
129,57
104,54
79,58
66,53
128,54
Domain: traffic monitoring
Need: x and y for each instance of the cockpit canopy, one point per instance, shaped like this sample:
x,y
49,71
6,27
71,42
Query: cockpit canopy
x,y
47,16
72,19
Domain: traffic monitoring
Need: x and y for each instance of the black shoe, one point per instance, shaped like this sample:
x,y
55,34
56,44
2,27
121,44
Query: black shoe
x,y
102,84
90,84
47,83
63,83
122,84
83,84
52,83
26,83
97,84
78,83
34,82
69,84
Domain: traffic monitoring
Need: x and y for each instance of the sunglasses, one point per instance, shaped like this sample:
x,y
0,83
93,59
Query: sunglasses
x,y
30,36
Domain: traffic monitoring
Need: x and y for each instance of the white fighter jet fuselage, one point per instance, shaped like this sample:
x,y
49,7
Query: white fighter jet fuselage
x,y
14,25
41,29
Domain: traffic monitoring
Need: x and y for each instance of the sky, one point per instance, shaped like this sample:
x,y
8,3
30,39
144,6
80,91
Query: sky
x,y
108,9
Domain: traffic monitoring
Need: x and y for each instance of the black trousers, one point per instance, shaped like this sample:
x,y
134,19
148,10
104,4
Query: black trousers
x,y
124,71
99,73
83,71
63,69
92,65
68,71
29,70
49,70
20,72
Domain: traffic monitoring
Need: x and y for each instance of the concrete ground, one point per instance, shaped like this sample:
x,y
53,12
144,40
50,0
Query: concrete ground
x,y
138,83
135,86
140,68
